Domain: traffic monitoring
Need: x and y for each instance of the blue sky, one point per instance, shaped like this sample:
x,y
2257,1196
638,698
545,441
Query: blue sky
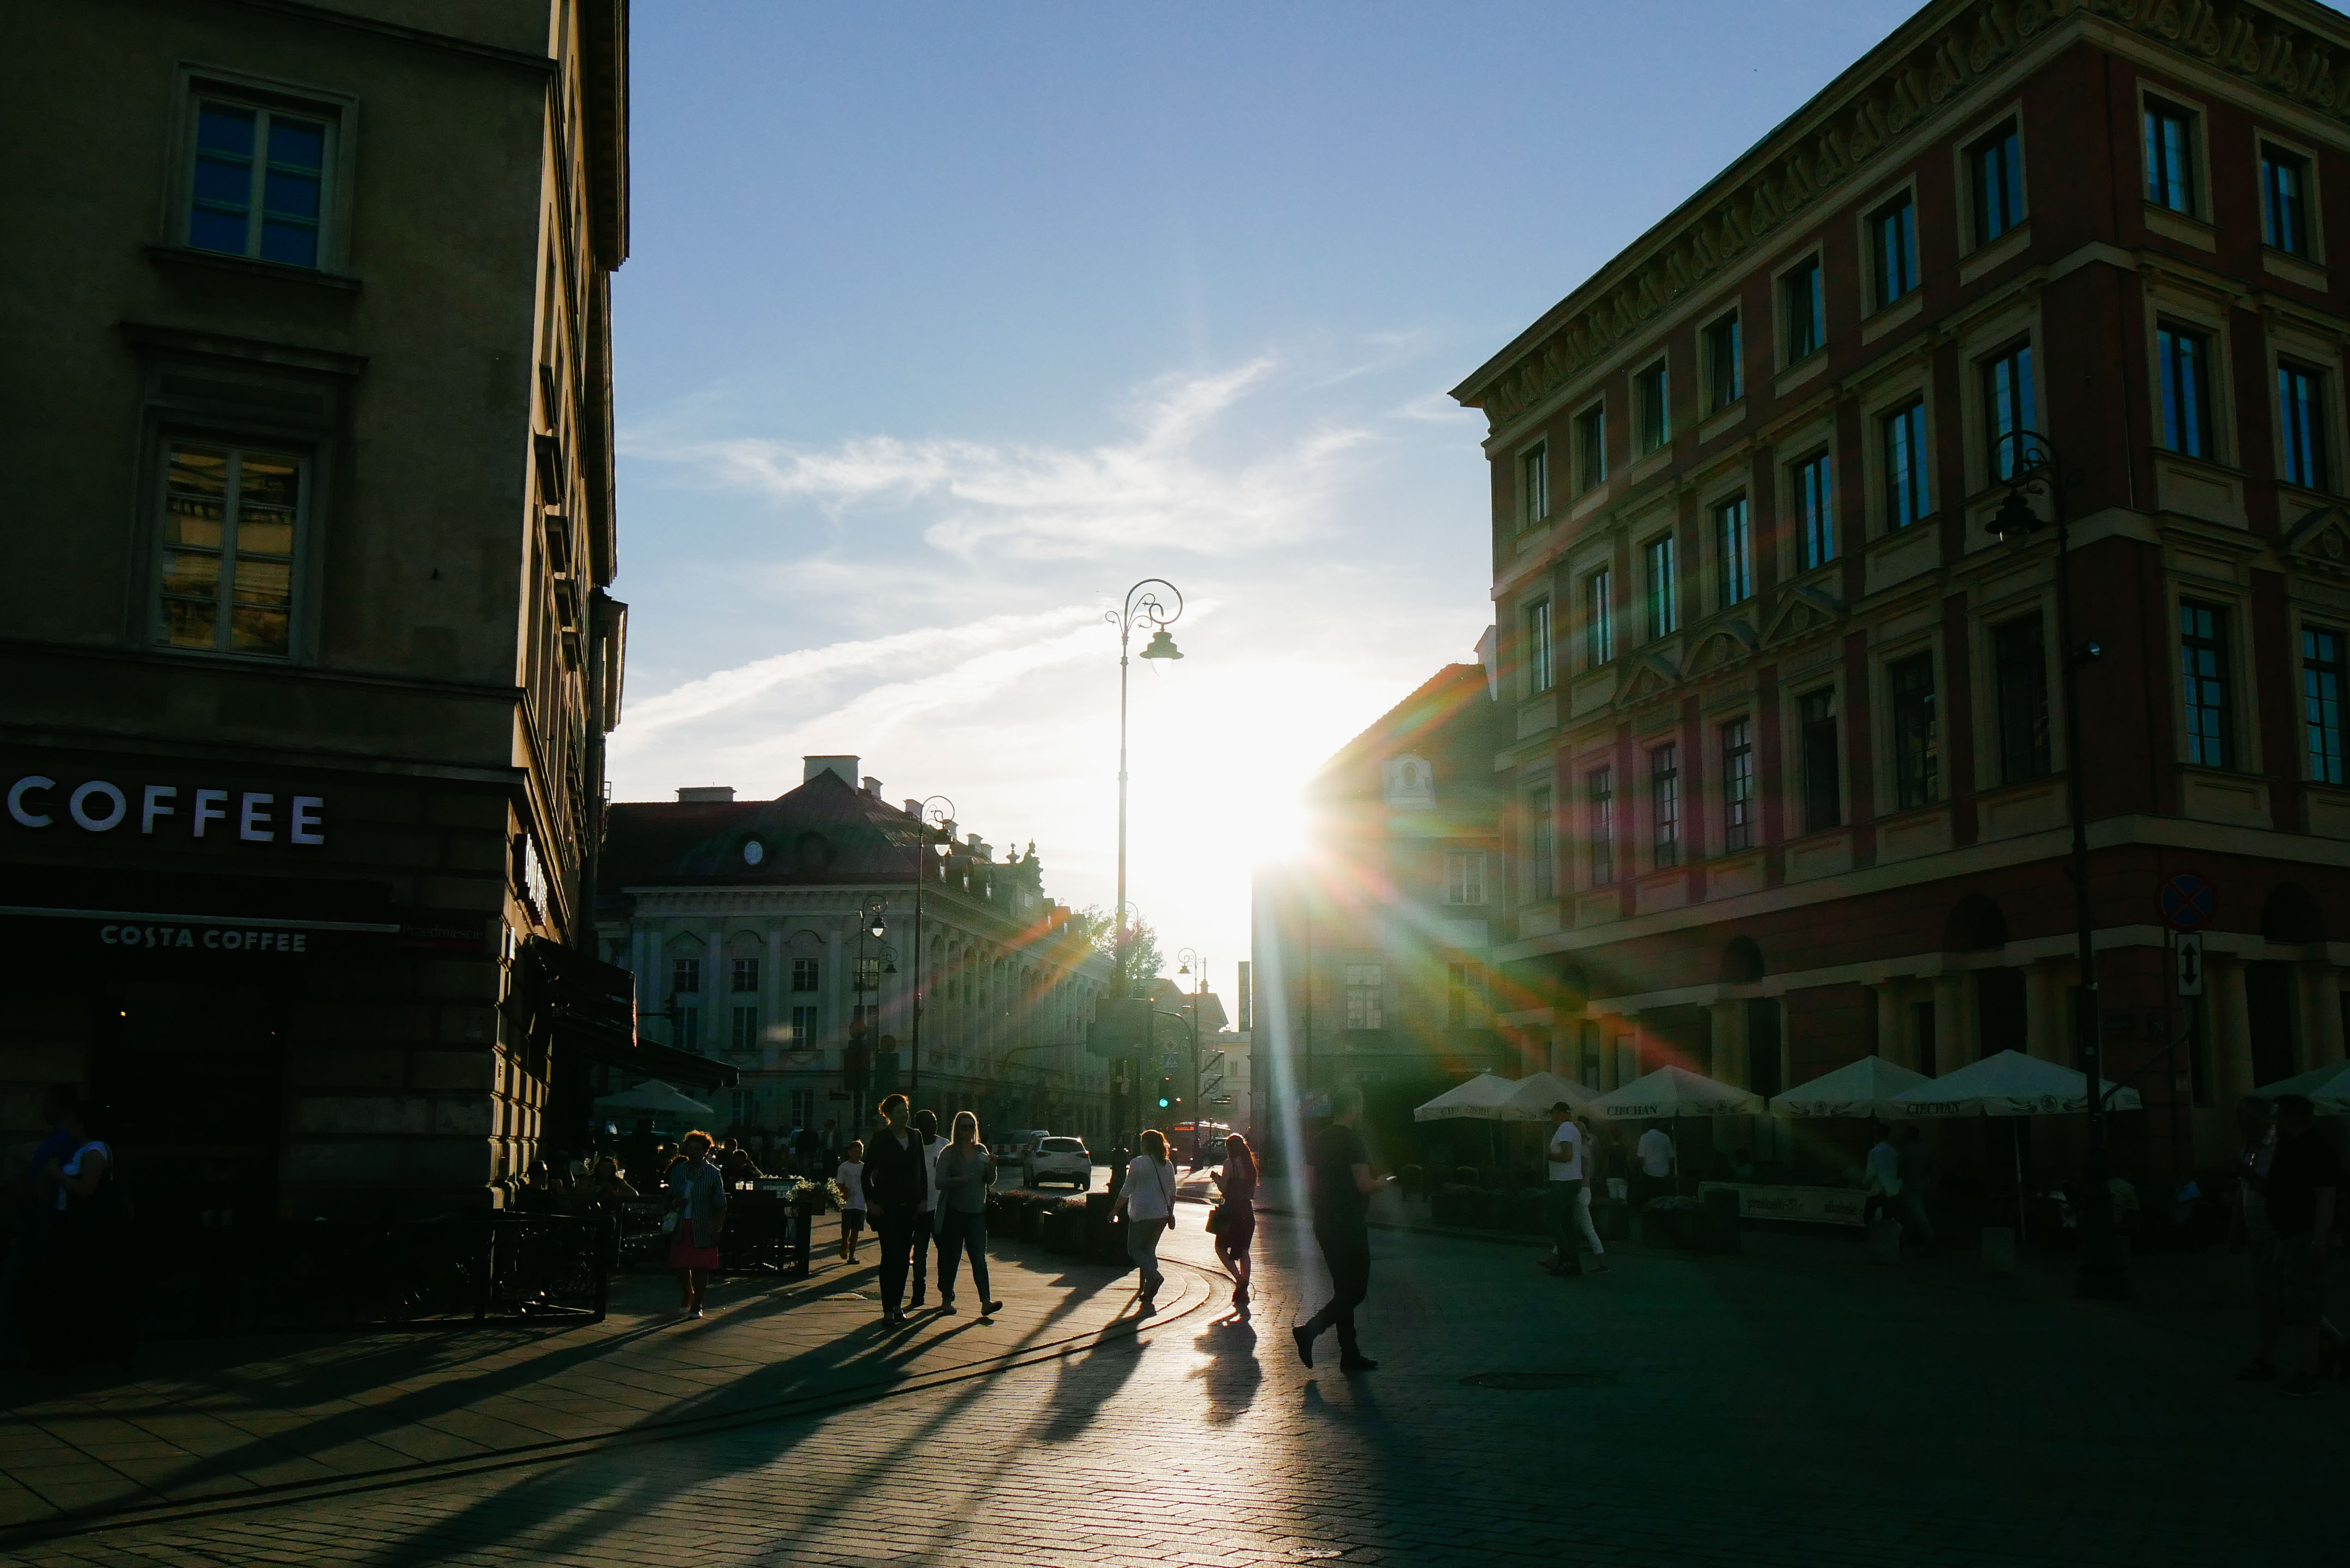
x,y
945,324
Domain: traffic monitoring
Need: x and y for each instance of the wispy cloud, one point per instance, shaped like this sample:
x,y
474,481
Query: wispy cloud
x,y
1163,487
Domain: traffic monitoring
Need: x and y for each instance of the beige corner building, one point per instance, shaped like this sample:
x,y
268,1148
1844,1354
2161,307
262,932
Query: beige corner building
x,y
304,370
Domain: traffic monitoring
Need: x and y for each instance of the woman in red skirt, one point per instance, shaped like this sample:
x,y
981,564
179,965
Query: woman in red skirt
x,y
696,1197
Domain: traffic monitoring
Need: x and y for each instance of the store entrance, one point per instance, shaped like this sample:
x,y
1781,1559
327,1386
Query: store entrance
x,y
191,1077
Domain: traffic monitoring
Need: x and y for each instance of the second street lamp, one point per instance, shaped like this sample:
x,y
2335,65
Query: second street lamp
x,y
936,813
2029,460
1142,606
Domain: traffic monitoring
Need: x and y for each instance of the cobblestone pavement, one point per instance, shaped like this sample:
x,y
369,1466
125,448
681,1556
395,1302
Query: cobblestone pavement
x,y
1789,1405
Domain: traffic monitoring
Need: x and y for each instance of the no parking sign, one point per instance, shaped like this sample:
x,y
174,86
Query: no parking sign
x,y
2187,901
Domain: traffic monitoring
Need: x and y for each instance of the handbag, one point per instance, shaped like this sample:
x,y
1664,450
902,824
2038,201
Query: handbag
x,y
669,1222
1216,1221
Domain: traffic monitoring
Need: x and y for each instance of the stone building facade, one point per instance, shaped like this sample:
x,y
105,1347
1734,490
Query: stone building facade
x,y
746,924
304,358
1375,941
1785,768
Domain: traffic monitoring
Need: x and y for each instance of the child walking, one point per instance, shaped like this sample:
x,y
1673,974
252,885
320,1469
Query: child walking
x,y
851,1176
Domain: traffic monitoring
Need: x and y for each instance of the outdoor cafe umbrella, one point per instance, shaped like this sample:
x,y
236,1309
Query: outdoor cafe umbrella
x,y
1477,1098
2327,1088
1862,1088
2010,1083
1672,1093
655,1099
1530,1099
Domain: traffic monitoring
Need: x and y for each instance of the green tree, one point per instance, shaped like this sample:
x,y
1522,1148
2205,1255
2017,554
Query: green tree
x,y
1141,961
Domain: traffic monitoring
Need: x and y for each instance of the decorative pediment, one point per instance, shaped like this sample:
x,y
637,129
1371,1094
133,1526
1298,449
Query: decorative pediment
x,y
2321,541
1730,643
1652,675
1803,613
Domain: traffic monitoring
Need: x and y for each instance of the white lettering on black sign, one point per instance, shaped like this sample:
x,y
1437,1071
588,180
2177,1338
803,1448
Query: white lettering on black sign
x,y
98,805
217,939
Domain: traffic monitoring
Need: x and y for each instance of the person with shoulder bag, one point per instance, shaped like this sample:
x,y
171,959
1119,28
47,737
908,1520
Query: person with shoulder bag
x,y
1149,1203
965,1171
1233,1219
697,1202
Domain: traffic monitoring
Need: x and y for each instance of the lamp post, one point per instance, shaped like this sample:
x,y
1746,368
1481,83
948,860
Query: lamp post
x,y
1147,609
1189,962
870,924
932,813
2032,468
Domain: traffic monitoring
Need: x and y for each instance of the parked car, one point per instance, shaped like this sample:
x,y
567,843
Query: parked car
x,y
1058,1160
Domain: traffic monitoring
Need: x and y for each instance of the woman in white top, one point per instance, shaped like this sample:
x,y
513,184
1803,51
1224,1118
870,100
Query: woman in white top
x,y
850,1178
1149,1200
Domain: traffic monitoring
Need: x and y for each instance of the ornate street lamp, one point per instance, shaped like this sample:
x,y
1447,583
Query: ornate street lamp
x,y
930,817
2032,470
1142,606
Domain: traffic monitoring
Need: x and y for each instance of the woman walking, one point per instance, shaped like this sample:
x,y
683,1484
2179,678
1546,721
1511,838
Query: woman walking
x,y
850,1178
1237,1227
697,1196
965,1171
1149,1200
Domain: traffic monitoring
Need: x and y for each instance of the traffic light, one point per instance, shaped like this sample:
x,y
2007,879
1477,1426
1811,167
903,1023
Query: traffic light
x,y
1166,1093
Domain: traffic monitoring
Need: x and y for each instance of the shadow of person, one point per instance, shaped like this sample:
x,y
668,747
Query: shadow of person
x,y
1230,1374
1085,1385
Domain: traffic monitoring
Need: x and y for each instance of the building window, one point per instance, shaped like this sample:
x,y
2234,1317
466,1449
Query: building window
x,y
1995,167
2203,669
1725,366
744,1035
1804,293
1541,847
1649,407
1533,486
804,1026
1665,805
1663,597
1600,616
2301,413
1731,553
258,182
803,1103
1737,785
1464,877
746,974
865,975
1822,788
2170,156
1893,240
2284,201
2184,363
2007,409
1905,498
2020,673
803,974
1464,996
230,521
1363,987
1815,510
1538,665
686,977
1917,750
1591,447
2321,698
689,1029
1602,794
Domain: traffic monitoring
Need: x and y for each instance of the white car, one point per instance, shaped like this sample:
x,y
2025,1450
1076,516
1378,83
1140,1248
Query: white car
x,y
1058,1160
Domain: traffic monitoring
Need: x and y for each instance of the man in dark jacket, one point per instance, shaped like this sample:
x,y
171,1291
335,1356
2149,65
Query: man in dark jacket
x,y
897,1185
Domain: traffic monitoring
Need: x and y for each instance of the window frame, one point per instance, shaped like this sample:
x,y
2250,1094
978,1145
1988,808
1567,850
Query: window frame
x,y
2310,250
1810,789
338,109
2005,127
1587,430
1734,549
2000,455
2211,426
1533,484
1542,842
1718,400
2040,763
2322,713
1802,494
1652,408
1890,502
1364,996
813,969
1898,205
1666,805
1735,751
2316,445
1598,597
302,573
1599,823
1539,647
1926,785
1661,596
1814,264
1464,873
2223,740
2151,100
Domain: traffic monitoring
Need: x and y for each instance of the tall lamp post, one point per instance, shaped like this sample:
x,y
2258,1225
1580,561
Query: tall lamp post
x,y
2033,469
869,924
1142,606
1189,962
932,815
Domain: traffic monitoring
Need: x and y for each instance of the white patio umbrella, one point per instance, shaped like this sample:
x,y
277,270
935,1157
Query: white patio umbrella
x,y
1476,1099
1530,1099
2327,1088
1674,1092
1862,1088
655,1099
2010,1083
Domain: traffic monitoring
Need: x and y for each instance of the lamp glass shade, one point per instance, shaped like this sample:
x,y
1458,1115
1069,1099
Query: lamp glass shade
x,y
2014,520
1163,646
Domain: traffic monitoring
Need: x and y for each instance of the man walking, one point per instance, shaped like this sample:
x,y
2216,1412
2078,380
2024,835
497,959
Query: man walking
x,y
1881,1186
897,1188
1654,1154
1919,1176
926,1230
2302,1185
1342,1183
1569,1197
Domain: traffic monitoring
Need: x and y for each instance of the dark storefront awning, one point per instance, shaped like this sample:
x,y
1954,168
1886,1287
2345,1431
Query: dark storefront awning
x,y
591,1007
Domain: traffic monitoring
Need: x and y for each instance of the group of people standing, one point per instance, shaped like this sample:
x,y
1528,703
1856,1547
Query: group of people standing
x,y
919,1193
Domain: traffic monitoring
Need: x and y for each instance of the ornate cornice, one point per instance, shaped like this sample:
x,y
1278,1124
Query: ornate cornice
x,y
1823,145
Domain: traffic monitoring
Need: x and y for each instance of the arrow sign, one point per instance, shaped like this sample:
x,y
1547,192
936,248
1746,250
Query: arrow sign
x,y
2190,963
2187,901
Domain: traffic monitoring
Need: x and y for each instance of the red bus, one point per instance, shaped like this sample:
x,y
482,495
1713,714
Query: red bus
x,y
1181,1148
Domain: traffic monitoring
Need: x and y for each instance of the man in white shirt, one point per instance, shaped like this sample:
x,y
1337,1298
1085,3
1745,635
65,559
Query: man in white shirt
x,y
1655,1154
1569,1197
926,1229
1882,1185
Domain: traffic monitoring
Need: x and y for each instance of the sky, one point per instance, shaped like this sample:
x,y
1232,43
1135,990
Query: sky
x,y
945,324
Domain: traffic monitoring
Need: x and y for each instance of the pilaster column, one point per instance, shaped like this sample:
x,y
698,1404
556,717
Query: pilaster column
x,y
654,983
774,1008
2044,1031
2231,1027
2321,1001
1892,1039
1954,1022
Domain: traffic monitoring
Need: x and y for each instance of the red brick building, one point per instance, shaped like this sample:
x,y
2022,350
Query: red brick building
x,y
1787,713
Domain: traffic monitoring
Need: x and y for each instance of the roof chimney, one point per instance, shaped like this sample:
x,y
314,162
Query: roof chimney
x,y
842,768
873,788
704,795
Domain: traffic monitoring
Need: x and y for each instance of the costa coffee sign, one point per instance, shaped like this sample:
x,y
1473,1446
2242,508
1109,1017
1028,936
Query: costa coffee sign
x,y
101,805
